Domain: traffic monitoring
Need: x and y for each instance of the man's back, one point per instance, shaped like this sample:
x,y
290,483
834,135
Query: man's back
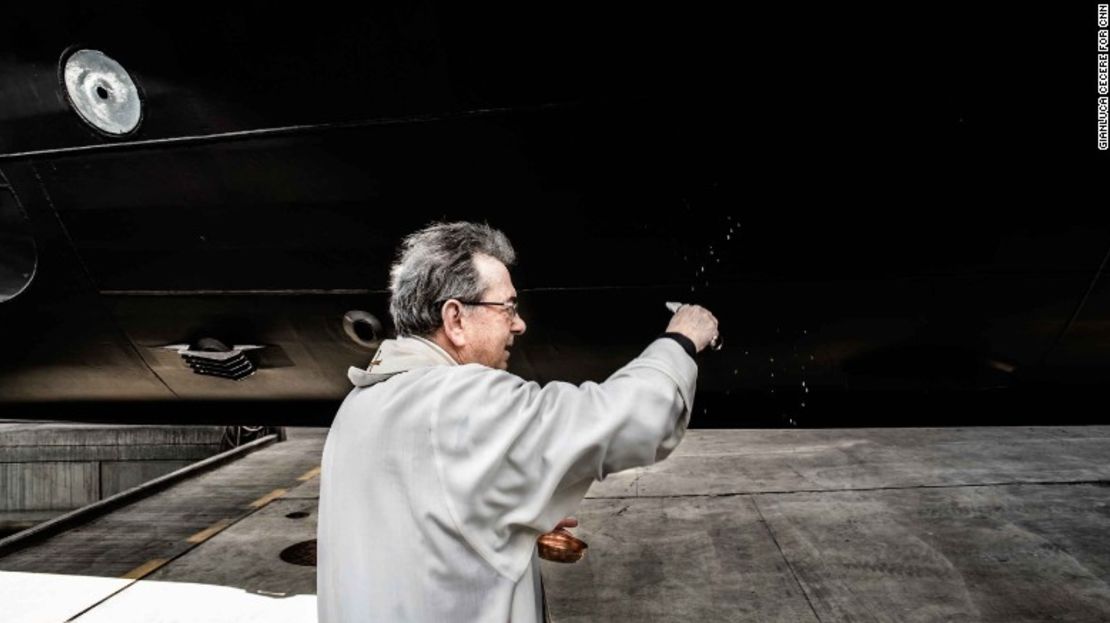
x,y
437,481
390,550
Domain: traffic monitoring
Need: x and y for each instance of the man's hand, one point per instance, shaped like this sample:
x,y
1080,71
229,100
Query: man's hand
x,y
560,545
696,323
569,522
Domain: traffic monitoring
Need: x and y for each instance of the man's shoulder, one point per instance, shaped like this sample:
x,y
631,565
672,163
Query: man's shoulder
x,y
475,372
473,383
468,372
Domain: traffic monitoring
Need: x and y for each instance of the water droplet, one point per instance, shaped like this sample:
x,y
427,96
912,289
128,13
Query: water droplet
x,y
728,237
811,357
772,360
772,391
745,352
772,375
737,371
691,288
803,383
804,332
803,405
807,390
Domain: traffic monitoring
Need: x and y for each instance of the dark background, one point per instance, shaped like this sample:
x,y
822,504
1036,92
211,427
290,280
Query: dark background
x,y
910,195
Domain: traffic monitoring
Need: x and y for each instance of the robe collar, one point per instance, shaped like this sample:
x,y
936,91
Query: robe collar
x,y
400,355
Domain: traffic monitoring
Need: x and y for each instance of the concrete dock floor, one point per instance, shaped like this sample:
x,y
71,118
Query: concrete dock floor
x,y
50,468
90,571
983,524
971,524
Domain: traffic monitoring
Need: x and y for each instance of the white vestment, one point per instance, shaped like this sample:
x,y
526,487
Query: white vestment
x,y
438,478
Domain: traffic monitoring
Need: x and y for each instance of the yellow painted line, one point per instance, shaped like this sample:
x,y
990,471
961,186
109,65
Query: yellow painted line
x,y
144,569
209,532
269,497
310,474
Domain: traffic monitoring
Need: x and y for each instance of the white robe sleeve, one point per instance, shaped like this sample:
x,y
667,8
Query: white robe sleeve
x,y
515,458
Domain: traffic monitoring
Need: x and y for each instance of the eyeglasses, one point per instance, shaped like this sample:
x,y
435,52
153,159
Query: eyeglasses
x,y
510,306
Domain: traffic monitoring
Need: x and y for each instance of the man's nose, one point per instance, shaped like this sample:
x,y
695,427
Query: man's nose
x,y
518,325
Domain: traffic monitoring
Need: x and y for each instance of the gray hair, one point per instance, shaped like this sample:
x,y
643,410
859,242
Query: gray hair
x,y
436,264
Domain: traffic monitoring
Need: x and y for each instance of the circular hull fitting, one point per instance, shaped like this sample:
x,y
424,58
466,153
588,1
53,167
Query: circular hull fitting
x,y
102,92
18,253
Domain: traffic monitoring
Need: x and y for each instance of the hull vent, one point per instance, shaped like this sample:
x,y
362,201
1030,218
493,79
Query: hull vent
x,y
211,357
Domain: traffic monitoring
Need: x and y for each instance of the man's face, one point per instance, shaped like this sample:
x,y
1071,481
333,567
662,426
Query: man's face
x,y
490,329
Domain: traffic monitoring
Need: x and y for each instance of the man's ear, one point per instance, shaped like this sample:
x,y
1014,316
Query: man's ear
x,y
452,313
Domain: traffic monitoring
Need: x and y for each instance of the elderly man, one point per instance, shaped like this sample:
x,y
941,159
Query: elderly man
x,y
442,469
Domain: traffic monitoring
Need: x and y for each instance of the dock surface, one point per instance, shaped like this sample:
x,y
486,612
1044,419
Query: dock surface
x,y
922,524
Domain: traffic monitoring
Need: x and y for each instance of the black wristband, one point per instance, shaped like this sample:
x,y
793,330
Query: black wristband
x,y
686,343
